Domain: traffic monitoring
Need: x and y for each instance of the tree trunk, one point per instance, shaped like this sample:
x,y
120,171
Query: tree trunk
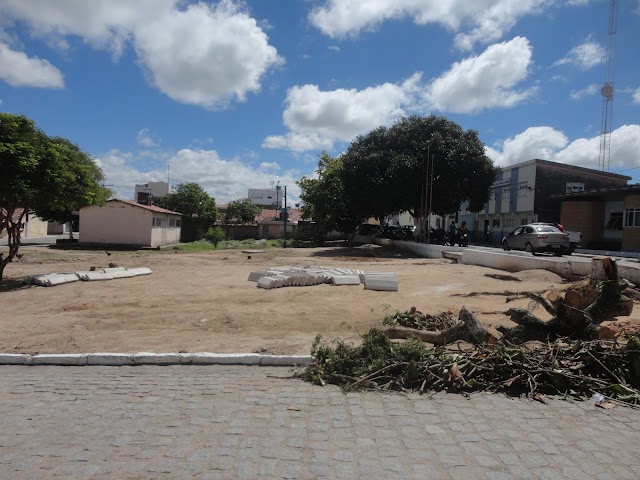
x,y
580,312
469,330
14,232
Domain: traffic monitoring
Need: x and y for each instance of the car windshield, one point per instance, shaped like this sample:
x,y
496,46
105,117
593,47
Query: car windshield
x,y
547,229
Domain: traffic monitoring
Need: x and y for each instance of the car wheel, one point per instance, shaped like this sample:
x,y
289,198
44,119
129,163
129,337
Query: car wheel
x,y
529,248
505,246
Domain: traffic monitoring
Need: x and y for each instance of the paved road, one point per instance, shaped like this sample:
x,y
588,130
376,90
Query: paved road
x,y
236,422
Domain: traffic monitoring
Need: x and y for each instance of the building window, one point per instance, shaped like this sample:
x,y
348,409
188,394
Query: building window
x,y
156,222
632,217
615,221
496,223
172,222
575,187
523,221
178,222
509,222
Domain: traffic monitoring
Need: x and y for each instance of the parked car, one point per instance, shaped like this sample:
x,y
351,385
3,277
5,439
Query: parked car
x,y
535,238
368,229
391,231
408,231
575,238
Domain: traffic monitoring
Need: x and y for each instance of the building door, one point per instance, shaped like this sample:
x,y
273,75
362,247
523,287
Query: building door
x,y
485,231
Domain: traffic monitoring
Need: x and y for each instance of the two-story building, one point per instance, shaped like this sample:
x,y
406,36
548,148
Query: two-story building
x,y
527,192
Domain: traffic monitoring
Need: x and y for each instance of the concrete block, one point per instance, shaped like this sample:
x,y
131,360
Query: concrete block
x,y
381,282
255,276
285,360
121,274
15,359
148,358
93,276
59,359
137,271
113,269
346,280
281,280
199,358
110,359
267,283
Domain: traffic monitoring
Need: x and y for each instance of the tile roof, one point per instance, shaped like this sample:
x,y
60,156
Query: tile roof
x,y
153,208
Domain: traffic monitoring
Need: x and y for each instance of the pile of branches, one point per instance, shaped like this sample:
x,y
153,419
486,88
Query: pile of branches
x,y
570,369
414,318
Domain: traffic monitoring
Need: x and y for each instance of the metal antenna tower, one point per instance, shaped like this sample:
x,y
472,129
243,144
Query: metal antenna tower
x,y
607,92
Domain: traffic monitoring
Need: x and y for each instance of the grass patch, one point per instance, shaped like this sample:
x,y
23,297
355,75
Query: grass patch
x,y
205,246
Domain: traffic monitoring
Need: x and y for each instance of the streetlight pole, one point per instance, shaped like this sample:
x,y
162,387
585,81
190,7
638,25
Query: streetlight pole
x,y
285,216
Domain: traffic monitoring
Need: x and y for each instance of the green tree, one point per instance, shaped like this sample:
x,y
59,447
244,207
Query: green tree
x,y
215,235
326,200
190,199
76,184
388,167
241,211
40,174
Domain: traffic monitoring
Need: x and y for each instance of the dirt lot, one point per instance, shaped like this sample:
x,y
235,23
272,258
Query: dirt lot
x,y
203,301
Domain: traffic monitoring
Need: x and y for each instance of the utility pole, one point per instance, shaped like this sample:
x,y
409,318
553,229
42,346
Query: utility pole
x,y
285,216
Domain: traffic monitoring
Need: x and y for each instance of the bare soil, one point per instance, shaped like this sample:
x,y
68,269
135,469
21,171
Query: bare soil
x,y
203,302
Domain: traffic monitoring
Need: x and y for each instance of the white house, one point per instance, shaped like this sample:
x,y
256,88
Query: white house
x,y
124,222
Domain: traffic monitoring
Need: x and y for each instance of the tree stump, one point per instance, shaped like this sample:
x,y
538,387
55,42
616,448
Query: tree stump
x,y
580,312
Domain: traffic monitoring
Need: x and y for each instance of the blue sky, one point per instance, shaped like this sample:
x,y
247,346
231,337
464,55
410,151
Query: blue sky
x,y
237,95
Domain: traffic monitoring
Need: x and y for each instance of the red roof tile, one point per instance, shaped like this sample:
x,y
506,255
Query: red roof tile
x,y
153,208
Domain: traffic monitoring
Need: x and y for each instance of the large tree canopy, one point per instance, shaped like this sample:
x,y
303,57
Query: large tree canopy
x,y
74,184
241,211
326,201
385,171
48,176
192,201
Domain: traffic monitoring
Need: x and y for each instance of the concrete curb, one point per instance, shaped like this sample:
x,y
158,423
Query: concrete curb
x,y
147,358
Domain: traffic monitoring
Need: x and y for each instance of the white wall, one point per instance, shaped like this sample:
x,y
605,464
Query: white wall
x,y
164,234
116,223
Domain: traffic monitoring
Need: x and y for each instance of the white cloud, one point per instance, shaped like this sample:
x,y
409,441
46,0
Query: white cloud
x,y
578,3
145,139
636,96
103,23
480,21
269,166
225,180
549,144
585,92
585,56
19,70
484,81
334,48
316,118
204,55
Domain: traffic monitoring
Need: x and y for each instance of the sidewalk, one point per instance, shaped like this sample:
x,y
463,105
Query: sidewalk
x,y
240,422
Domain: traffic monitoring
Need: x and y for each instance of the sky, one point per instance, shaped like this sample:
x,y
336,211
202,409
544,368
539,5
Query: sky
x,y
236,95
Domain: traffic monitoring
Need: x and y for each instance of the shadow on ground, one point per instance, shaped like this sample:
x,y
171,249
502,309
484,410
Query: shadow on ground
x,y
363,251
12,284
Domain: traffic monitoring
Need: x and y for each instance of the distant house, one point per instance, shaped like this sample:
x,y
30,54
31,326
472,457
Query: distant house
x,y
33,226
125,222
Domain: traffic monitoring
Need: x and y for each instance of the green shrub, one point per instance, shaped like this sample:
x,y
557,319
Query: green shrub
x,y
215,235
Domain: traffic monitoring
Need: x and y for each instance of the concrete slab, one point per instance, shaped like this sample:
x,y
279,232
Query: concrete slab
x,y
148,358
346,280
257,275
140,271
267,283
15,359
387,283
59,359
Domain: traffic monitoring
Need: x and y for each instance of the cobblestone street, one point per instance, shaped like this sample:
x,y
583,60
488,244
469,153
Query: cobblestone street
x,y
241,422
